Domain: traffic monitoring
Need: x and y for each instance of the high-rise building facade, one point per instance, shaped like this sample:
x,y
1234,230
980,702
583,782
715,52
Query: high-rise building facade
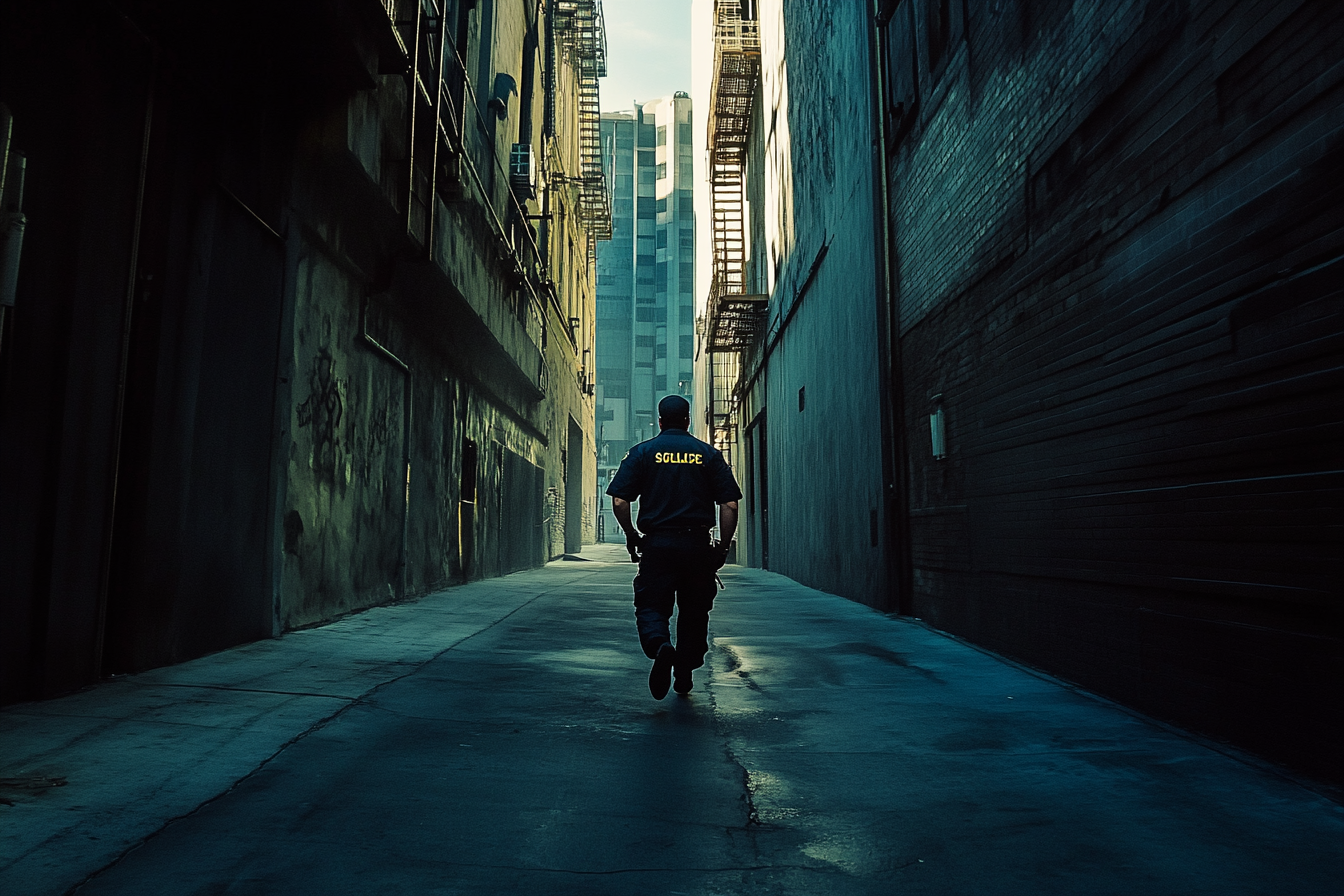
x,y
645,278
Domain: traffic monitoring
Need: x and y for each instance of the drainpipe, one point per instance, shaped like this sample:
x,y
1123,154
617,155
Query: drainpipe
x,y
12,221
383,352
891,384
123,364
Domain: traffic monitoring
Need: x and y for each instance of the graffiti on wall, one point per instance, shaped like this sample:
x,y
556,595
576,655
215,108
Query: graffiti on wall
x,y
321,413
371,447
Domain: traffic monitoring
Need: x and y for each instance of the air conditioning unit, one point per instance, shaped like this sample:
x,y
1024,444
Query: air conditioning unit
x,y
523,171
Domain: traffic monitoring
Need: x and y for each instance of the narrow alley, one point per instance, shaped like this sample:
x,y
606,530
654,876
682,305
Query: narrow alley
x,y
499,738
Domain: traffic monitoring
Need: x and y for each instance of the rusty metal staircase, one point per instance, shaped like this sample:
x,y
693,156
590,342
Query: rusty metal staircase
x,y
733,316
582,35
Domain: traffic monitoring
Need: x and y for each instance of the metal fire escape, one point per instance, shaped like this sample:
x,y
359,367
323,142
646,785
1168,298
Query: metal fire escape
x,y
583,38
733,316
420,47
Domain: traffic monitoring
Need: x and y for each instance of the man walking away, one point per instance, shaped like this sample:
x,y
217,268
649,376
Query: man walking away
x,y
678,479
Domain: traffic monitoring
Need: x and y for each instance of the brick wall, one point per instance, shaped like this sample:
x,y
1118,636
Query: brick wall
x,y
1117,242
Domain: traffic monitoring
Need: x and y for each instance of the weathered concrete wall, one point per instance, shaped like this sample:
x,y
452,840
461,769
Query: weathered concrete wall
x,y
814,399
1117,248
339,389
493,367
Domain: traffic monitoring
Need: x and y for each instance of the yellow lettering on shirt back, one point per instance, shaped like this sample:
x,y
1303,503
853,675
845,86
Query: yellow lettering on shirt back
x,y
678,457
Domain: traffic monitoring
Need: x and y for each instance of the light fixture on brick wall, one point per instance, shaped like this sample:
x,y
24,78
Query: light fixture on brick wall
x,y
938,429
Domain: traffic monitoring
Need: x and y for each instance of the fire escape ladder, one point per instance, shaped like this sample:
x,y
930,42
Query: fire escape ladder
x,y
419,29
733,317
582,35
418,45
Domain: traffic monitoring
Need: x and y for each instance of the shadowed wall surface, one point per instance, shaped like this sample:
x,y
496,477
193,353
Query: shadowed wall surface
x,y
1116,243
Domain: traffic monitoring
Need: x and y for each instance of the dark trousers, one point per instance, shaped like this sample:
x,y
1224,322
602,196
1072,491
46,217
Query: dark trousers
x,y
675,569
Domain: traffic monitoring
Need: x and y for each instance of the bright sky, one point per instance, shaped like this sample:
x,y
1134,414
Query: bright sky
x,y
648,51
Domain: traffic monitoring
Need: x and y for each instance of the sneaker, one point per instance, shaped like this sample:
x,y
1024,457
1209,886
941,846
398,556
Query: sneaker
x,y
660,676
683,684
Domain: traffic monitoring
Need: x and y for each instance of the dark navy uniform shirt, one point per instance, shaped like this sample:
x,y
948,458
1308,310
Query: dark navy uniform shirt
x,y
678,479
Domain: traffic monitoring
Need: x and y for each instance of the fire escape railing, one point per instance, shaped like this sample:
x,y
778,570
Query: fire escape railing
x,y
440,103
733,316
583,38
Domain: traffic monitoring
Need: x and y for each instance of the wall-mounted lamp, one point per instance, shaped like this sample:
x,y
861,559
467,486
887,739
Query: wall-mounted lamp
x,y
938,431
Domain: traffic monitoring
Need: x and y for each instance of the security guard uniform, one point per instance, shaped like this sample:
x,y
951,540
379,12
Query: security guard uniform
x,y
678,480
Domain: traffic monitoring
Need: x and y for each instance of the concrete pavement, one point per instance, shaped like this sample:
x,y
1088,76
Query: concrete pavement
x,y
499,738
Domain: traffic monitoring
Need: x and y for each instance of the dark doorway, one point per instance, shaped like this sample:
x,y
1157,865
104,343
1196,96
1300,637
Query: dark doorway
x,y
466,509
521,513
191,554
574,489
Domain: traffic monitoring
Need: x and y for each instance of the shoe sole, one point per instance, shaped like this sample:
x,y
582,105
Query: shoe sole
x,y
660,676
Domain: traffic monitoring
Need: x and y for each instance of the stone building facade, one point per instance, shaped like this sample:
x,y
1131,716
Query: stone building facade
x,y
304,320
791,340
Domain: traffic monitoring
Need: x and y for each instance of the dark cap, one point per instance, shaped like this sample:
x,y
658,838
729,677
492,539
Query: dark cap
x,y
674,407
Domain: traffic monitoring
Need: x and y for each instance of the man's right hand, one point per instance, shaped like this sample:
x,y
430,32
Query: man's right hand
x,y
634,543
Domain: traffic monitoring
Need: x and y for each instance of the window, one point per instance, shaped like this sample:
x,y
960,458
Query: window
x,y
646,158
942,29
685,202
684,132
662,171
937,24
662,239
896,30
686,346
662,206
662,135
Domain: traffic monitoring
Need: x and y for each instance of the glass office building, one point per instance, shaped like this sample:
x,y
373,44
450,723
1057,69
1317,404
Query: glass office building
x,y
645,278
